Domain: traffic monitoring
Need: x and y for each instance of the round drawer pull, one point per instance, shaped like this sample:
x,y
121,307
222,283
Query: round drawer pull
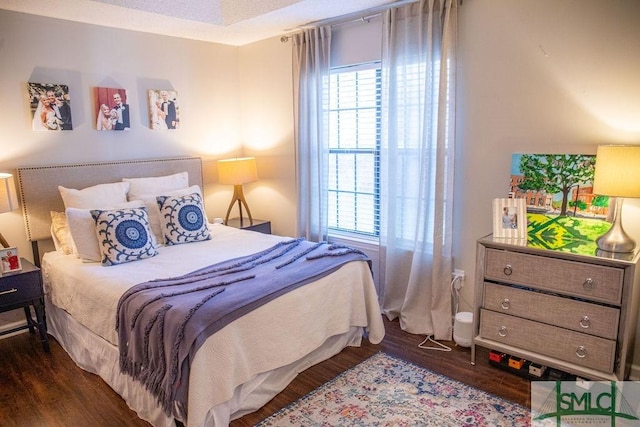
x,y
585,322
508,270
581,352
588,284
506,304
502,331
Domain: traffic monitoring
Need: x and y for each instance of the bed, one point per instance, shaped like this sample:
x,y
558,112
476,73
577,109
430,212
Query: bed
x,y
237,369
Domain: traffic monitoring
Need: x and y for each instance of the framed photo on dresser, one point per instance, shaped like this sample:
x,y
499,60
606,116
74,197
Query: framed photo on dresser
x,y
510,218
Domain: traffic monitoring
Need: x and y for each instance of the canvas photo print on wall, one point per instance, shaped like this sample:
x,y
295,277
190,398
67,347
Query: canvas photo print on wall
x,y
50,106
164,110
112,109
563,213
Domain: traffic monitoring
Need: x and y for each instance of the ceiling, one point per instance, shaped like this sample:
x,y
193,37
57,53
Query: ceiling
x,y
233,22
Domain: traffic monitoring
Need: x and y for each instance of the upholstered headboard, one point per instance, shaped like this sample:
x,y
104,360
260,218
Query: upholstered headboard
x,y
39,184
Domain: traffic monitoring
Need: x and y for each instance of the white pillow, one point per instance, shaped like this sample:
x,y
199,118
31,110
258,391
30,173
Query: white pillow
x,y
156,185
83,230
151,203
101,196
61,234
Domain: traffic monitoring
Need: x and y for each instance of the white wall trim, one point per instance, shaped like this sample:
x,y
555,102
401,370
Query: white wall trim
x,y
8,326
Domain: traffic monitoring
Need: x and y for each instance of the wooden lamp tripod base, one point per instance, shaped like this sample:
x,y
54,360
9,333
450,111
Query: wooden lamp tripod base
x,y
3,241
238,195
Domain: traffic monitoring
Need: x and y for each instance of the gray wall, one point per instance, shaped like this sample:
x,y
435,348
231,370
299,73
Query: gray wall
x,y
539,76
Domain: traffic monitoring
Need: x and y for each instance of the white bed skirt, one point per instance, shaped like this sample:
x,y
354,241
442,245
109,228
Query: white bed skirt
x,y
96,355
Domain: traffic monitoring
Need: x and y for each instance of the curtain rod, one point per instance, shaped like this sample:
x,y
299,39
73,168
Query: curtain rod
x,y
363,15
356,16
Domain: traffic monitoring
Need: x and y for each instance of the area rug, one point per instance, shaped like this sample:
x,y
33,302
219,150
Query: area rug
x,y
387,391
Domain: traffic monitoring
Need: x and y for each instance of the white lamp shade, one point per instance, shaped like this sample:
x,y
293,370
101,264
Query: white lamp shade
x,y
237,171
8,195
617,171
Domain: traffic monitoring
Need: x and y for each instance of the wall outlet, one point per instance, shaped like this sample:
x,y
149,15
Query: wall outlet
x,y
458,278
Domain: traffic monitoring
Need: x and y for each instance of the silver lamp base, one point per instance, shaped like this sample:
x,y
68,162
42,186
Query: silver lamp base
x,y
616,240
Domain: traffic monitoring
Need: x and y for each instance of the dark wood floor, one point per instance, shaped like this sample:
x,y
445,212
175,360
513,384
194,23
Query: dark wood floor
x,y
38,389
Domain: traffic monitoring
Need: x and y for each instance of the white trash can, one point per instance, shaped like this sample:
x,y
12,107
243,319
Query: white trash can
x,y
463,328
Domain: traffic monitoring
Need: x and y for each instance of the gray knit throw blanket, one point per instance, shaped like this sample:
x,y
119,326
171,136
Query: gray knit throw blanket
x,y
162,323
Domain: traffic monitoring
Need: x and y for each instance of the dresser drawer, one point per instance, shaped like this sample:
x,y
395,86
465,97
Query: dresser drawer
x,y
580,349
592,319
20,287
596,282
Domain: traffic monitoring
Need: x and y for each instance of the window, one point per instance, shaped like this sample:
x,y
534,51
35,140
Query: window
x,y
354,150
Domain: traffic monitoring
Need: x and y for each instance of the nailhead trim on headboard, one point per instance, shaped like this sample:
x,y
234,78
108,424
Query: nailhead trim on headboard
x,y
39,184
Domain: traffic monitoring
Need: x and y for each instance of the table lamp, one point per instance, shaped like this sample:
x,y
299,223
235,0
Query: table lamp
x,y
617,174
8,199
236,172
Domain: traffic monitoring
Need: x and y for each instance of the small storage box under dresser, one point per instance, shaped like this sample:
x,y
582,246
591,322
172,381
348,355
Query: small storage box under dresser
x,y
576,313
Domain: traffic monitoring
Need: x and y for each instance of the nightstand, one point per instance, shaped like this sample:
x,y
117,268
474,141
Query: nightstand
x,y
259,225
23,289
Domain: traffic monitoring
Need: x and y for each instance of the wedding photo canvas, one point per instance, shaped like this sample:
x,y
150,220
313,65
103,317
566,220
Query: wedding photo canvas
x,y
164,110
112,109
50,106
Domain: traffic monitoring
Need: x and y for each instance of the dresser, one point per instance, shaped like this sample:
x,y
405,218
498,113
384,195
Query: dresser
x,y
576,313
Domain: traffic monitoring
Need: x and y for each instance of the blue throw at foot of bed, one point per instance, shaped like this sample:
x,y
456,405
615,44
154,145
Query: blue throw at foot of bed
x,y
162,323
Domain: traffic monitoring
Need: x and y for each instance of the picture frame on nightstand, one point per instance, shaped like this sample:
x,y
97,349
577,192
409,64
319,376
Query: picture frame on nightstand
x,y
510,218
9,260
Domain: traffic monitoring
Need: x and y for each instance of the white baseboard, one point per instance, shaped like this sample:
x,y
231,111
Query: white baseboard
x,y
9,326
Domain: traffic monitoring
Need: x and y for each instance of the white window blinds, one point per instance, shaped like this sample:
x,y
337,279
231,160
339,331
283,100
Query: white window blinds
x,y
354,149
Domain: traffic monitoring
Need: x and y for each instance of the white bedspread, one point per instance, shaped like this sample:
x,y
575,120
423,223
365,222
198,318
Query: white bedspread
x,y
271,337
90,292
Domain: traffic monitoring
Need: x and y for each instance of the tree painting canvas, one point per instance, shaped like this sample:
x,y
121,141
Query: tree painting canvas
x,y
562,211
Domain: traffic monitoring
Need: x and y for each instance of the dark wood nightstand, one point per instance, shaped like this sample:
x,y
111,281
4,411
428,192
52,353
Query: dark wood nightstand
x,y
259,225
23,289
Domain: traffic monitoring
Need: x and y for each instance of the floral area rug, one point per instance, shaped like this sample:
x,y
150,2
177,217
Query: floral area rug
x,y
386,391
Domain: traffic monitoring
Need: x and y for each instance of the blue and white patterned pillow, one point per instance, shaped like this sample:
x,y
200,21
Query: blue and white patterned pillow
x,y
183,219
124,235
